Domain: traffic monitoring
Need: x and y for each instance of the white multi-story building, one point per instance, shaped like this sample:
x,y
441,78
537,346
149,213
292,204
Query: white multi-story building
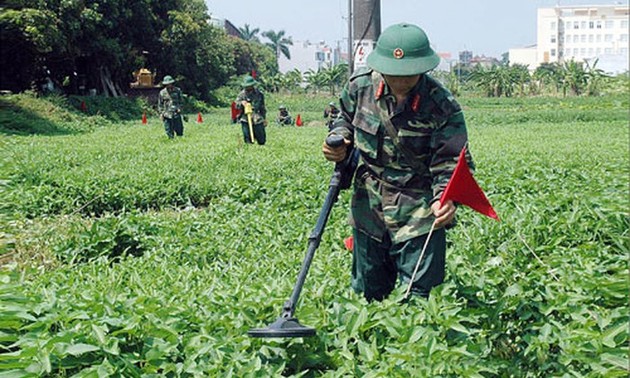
x,y
579,33
309,56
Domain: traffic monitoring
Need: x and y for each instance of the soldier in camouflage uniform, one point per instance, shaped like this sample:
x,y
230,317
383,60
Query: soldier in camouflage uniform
x,y
170,102
250,94
330,113
284,118
409,130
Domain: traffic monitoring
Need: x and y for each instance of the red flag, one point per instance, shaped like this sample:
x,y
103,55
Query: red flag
x,y
199,119
462,188
144,118
298,121
234,112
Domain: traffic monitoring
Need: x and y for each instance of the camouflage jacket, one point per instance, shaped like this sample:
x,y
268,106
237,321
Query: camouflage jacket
x,y
284,119
170,103
257,99
394,190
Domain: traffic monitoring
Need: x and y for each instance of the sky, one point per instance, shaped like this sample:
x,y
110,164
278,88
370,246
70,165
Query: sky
x,y
485,27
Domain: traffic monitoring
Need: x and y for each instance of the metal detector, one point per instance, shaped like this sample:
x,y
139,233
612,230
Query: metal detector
x,y
287,325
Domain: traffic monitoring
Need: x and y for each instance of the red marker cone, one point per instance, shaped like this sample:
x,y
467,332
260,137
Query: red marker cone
x,y
349,243
254,74
144,118
199,119
83,107
234,112
298,121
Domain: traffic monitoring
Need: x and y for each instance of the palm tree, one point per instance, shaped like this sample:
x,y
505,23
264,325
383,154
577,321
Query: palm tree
x,y
279,43
249,34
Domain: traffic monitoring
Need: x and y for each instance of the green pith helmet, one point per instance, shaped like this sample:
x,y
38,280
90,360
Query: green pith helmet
x,y
332,104
168,79
249,81
403,50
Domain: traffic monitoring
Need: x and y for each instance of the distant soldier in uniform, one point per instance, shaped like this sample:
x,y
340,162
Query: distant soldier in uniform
x,y
330,113
252,96
284,118
170,102
409,131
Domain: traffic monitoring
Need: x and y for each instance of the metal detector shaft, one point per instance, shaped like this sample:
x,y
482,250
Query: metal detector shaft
x,y
338,181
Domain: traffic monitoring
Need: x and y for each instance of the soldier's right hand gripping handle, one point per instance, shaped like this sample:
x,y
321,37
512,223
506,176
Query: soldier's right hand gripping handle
x,y
344,170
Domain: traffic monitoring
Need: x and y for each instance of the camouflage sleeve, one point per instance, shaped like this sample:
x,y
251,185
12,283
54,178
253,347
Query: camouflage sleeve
x,y
446,143
239,98
343,124
160,104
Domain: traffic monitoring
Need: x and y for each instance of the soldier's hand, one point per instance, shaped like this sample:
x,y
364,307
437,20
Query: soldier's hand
x,y
336,154
244,102
265,123
443,215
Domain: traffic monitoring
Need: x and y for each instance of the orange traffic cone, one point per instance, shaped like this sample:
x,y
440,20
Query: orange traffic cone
x,y
144,118
298,121
199,119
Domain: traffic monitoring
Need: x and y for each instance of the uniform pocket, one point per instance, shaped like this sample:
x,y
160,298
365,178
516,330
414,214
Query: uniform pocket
x,y
366,135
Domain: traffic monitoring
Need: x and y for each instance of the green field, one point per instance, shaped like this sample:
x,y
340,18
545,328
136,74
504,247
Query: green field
x,y
126,254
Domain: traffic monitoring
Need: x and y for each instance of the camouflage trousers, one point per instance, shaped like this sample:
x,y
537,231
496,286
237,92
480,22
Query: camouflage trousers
x,y
174,126
260,134
376,266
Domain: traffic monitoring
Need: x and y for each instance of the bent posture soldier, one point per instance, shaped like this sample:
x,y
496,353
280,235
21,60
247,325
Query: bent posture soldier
x,y
409,130
170,102
284,118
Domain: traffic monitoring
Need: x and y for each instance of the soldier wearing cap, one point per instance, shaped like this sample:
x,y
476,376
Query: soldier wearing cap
x,y
330,113
170,102
251,95
284,118
409,130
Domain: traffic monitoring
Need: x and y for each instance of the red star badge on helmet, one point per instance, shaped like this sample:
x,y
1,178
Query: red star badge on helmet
x,y
398,53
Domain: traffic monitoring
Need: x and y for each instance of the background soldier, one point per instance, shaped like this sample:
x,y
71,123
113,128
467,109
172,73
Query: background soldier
x,y
330,113
170,102
409,130
251,95
284,118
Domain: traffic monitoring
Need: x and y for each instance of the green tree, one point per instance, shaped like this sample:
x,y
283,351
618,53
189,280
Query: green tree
x,y
278,43
249,34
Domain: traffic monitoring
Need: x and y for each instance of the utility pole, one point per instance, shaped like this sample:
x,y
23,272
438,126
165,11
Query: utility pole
x,y
366,22
350,60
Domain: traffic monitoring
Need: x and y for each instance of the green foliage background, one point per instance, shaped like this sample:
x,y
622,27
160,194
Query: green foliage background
x,y
126,254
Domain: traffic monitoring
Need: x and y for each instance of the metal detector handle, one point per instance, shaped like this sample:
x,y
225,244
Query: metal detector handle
x,y
341,177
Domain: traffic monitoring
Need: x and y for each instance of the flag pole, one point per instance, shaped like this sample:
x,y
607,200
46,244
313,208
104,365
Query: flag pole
x,y
424,248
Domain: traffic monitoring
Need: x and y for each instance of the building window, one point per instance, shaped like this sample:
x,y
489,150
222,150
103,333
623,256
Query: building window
x,y
591,25
598,25
553,38
591,38
623,51
623,38
590,51
608,38
567,25
553,25
624,24
608,51
583,51
609,24
583,25
598,51
575,52
576,38
553,52
567,52
576,25
598,38
583,38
